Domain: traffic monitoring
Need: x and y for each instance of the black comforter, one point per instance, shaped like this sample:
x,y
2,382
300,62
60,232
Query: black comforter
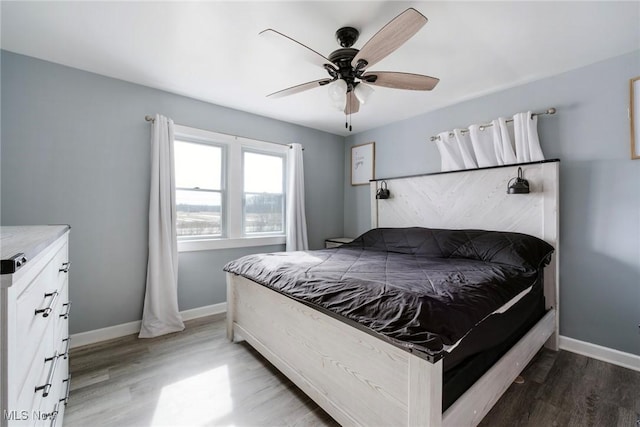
x,y
418,288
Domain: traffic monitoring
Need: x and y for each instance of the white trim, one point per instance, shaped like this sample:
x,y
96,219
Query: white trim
x,y
606,354
124,329
207,310
242,242
209,136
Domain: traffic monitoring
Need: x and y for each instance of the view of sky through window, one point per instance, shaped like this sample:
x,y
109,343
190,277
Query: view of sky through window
x,y
262,173
198,165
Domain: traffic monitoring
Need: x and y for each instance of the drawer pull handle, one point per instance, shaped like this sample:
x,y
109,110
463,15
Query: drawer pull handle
x,y
54,416
66,314
66,348
46,388
65,267
47,311
65,399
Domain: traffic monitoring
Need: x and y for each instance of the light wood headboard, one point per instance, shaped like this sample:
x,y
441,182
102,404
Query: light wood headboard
x,y
478,199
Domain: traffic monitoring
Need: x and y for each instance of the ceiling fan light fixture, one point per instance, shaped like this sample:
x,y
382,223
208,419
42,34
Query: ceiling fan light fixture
x,y
338,94
363,92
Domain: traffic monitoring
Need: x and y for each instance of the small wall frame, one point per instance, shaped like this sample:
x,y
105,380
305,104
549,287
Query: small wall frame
x,y
363,159
634,116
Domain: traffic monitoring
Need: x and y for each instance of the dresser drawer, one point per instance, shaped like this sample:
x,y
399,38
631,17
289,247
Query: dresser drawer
x,y
31,337
38,308
61,265
52,407
49,366
38,372
60,317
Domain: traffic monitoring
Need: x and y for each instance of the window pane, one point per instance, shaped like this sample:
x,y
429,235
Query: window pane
x,y
198,165
262,173
199,213
263,193
263,213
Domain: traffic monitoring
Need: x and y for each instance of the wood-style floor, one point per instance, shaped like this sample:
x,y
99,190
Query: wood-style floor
x,y
198,378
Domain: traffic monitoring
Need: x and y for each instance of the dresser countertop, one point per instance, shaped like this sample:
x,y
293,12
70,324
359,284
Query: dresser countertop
x,y
29,240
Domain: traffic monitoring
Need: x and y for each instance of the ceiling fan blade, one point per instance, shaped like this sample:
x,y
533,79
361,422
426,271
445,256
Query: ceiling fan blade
x,y
283,40
299,88
400,80
390,37
353,105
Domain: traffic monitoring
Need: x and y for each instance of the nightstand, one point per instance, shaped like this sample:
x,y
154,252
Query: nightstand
x,y
337,241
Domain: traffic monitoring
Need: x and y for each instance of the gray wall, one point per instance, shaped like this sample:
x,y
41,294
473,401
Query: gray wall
x,y
75,150
599,190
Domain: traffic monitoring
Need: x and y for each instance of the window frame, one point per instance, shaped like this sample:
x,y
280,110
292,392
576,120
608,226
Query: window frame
x,y
223,190
233,190
283,156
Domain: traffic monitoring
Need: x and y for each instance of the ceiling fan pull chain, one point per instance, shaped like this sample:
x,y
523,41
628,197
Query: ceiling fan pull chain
x,y
347,113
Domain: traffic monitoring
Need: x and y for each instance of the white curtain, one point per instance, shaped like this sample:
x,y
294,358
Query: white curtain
x,y
450,156
502,142
466,149
525,127
456,151
491,145
483,145
296,219
161,315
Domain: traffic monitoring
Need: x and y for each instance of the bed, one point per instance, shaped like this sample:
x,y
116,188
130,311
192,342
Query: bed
x,y
377,367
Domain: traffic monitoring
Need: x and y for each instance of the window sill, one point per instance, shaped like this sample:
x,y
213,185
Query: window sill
x,y
243,242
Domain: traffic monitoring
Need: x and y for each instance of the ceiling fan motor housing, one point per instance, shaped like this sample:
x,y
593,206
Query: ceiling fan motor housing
x,y
342,59
347,36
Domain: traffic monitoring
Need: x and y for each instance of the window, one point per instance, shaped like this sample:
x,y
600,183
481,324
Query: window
x,y
229,190
263,201
199,193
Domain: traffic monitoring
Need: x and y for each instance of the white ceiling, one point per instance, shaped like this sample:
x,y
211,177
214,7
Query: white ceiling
x,y
211,50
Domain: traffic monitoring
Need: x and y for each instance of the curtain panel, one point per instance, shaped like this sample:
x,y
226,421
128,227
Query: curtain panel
x,y
485,145
161,314
296,219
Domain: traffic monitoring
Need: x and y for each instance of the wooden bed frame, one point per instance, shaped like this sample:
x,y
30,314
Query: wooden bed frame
x,y
361,380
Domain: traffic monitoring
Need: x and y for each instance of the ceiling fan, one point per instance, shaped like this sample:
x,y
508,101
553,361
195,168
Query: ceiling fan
x,y
349,80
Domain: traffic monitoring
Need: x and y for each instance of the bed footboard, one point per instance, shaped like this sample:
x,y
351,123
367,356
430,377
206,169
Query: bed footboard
x,y
357,378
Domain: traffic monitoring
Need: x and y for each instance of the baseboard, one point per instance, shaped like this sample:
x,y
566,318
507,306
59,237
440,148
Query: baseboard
x,y
606,354
207,310
124,329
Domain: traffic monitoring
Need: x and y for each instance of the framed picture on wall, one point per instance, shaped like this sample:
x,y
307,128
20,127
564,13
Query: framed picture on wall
x,y
363,159
634,116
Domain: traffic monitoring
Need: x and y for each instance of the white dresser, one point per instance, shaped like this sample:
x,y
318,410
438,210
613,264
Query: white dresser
x,y
34,332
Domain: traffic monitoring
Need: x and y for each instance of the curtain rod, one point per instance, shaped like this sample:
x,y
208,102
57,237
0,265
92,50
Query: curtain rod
x,y
151,119
551,110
